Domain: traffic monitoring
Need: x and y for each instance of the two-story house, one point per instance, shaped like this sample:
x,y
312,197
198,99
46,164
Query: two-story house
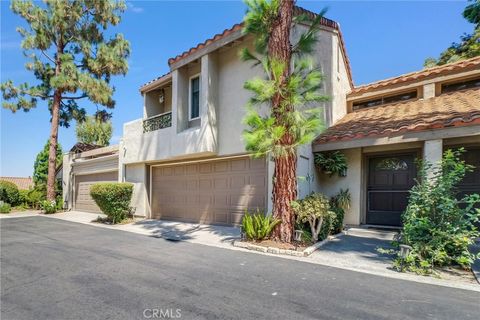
x,y
188,162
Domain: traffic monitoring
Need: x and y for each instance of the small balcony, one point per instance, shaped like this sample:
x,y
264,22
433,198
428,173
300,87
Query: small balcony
x,y
158,122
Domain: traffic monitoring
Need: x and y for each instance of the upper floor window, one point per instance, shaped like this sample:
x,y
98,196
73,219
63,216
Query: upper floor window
x,y
194,109
387,99
461,85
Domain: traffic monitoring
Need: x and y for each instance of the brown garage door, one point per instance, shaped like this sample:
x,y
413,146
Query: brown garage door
x,y
83,201
216,192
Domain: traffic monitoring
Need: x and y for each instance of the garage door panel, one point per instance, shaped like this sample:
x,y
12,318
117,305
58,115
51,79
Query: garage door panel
x,y
83,200
218,191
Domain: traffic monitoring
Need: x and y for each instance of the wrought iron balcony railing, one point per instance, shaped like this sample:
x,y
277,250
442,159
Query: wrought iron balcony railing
x,y
158,122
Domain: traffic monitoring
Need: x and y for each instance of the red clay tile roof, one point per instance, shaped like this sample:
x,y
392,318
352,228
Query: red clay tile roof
x,y
157,79
464,65
460,108
21,182
239,26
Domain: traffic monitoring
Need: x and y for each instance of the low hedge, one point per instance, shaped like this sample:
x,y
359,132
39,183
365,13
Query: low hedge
x,y
5,208
9,193
113,198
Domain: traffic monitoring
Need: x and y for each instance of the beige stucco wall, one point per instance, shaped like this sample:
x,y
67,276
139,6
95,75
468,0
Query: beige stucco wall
x,y
152,105
67,179
339,81
136,174
330,186
232,98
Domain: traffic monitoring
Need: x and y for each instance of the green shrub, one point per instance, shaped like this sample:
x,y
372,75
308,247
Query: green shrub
x,y
337,223
23,194
5,208
258,226
339,204
331,163
35,197
113,198
9,193
49,207
314,210
439,227
59,201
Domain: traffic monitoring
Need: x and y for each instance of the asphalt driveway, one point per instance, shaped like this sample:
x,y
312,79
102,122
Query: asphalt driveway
x,y
52,269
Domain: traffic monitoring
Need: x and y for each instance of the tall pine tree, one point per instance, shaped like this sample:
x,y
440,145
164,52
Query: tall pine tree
x,y
71,58
291,89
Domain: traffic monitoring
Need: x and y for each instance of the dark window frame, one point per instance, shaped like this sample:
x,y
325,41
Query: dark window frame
x,y
194,98
386,99
460,85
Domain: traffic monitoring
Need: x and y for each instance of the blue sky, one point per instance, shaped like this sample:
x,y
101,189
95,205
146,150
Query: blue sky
x,y
383,39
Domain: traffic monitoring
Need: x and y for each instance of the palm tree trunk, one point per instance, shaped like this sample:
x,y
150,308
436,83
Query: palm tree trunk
x,y
52,151
285,175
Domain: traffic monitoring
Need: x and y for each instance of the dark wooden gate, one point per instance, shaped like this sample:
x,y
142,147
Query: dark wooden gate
x,y
390,179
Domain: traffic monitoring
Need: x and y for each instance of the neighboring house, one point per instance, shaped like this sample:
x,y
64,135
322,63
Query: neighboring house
x,y
392,122
188,162
22,183
83,166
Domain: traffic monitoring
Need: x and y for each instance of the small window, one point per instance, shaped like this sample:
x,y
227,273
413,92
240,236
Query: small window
x,y
394,164
385,100
194,98
468,84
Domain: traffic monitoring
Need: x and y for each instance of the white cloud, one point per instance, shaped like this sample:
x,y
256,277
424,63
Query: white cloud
x,y
134,8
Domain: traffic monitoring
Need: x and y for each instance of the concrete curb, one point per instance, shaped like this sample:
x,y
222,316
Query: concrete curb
x,y
304,253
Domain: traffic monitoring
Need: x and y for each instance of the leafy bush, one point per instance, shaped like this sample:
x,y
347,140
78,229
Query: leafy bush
x,y
337,223
9,193
437,225
5,208
23,194
258,226
113,198
314,209
340,203
34,198
59,201
334,162
49,206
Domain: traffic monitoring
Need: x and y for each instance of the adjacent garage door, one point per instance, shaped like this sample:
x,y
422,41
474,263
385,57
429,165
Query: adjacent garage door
x,y
214,192
83,201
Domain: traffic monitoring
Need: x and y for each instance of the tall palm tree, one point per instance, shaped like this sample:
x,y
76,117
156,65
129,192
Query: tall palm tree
x,y
292,82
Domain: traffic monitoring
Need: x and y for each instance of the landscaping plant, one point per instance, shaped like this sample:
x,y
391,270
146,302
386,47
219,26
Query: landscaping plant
x,y
9,193
284,110
113,198
257,225
315,210
5,208
437,225
339,204
94,130
49,206
332,162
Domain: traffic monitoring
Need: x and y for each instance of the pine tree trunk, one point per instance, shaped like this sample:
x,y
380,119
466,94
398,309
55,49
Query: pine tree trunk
x,y
52,151
285,177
